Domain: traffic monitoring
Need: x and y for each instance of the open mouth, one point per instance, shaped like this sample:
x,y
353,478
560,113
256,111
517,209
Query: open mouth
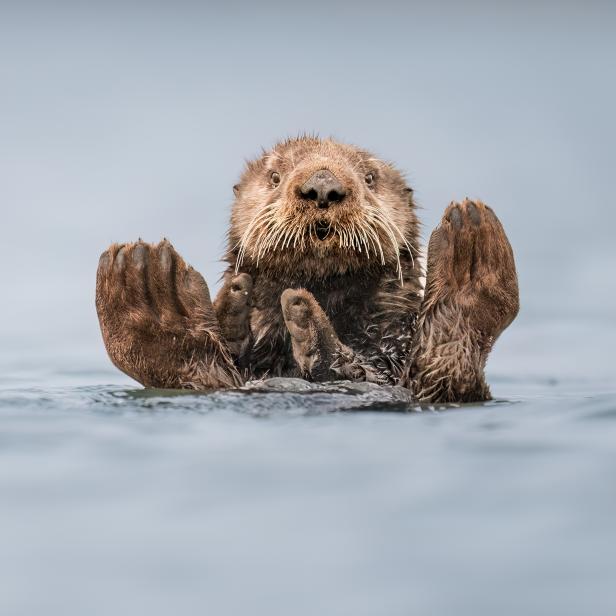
x,y
323,230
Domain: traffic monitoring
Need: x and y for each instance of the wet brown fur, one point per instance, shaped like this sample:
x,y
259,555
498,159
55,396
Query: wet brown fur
x,y
294,304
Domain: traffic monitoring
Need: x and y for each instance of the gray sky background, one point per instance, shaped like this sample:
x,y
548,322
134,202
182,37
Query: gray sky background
x,y
127,120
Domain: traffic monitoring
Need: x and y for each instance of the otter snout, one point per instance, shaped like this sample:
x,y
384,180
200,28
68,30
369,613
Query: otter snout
x,y
323,188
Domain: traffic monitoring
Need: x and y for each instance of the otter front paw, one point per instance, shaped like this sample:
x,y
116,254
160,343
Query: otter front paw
x,y
471,267
317,350
312,336
471,295
157,320
232,307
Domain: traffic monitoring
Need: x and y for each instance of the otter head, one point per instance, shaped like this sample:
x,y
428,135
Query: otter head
x,y
319,208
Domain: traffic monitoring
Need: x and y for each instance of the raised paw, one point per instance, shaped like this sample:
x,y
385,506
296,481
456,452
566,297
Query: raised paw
x,y
471,265
232,307
313,338
157,320
471,296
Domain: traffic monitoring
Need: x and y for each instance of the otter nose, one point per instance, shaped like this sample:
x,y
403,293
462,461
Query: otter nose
x,y
324,188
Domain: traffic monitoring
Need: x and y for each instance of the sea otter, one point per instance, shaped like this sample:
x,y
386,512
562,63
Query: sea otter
x,y
324,281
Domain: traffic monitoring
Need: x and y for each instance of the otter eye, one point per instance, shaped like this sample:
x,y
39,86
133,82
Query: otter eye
x,y
275,178
369,179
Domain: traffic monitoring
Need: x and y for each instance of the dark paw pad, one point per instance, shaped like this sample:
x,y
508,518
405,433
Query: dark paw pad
x,y
454,216
120,259
241,286
104,262
165,257
238,296
473,213
140,255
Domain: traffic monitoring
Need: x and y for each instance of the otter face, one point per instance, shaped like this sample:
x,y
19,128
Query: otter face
x,y
321,207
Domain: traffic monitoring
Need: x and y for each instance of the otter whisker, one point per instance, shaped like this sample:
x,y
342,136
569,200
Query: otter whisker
x,y
370,233
260,244
343,238
361,234
382,224
246,243
349,236
288,237
278,237
365,239
408,246
276,233
281,236
376,241
299,238
395,228
260,217
296,236
384,221
270,232
351,231
356,237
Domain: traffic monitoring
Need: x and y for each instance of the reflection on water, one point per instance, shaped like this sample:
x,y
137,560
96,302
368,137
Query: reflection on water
x,y
119,499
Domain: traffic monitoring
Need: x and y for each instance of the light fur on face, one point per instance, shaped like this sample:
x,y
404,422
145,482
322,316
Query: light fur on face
x,y
272,225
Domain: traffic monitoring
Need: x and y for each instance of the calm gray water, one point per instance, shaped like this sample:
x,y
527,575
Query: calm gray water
x,y
128,119
115,499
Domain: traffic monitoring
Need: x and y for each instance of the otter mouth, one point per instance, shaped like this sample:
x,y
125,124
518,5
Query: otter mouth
x,y
323,230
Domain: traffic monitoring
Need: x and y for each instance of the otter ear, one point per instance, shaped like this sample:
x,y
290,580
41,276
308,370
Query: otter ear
x,y
236,190
409,194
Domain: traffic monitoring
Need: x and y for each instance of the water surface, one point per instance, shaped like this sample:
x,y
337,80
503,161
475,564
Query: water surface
x,y
117,499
